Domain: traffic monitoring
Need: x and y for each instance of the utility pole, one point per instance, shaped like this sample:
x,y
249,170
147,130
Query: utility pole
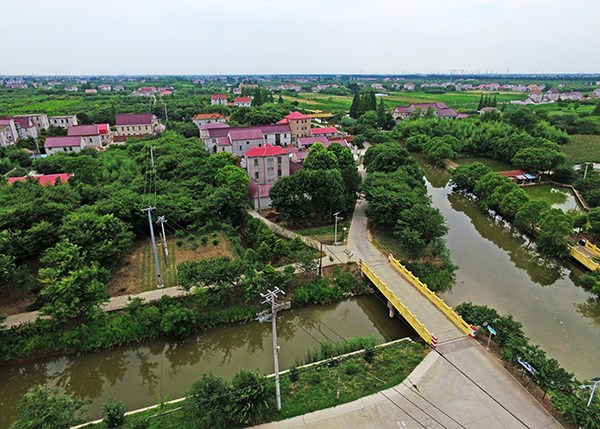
x,y
156,263
162,221
270,298
337,218
593,386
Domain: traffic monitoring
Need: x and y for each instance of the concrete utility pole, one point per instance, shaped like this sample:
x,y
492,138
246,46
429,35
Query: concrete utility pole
x,y
337,218
156,263
593,386
270,298
161,220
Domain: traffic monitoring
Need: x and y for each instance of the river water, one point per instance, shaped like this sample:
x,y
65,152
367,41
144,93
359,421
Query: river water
x,y
501,269
137,374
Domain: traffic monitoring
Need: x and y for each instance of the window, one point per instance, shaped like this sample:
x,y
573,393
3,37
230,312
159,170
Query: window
x,y
279,172
256,162
247,142
279,160
256,174
240,148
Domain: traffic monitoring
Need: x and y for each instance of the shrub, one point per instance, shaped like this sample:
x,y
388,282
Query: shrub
x,y
178,321
369,354
207,401
113,412
179,242
294,376
191,237
250,403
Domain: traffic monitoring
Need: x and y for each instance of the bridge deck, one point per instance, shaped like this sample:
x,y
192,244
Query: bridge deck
x,y
433,319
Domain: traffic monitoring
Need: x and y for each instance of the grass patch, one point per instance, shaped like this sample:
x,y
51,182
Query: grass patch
x,y
315,388
582,148
325,233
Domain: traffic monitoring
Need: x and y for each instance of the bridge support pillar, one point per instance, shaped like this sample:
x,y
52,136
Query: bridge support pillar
x,y
391,308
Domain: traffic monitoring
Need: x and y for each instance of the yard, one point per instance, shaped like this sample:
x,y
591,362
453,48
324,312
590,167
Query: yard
x,y
137,273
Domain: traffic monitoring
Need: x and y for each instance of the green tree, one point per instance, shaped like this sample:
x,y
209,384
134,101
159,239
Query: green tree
x,y
537,159
320,158
250,403
480,105
355,107
207,401
43,408
418,226
530,214
555,225
465,177
594,220
113,412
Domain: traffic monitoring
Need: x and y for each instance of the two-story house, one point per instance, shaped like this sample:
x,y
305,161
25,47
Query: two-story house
x,y
8,132
242,101
59,144
299,125
25,127
40,120
134,125
208,118
218,99
89,134
220,137
63,121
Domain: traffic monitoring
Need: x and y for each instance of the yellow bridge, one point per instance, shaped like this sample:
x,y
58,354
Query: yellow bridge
x,y
587,255
434,320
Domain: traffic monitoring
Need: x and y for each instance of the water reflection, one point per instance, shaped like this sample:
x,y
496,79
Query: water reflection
x,y
590,309
542,271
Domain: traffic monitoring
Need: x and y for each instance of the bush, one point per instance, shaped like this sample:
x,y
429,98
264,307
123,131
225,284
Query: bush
x,y
113,412
294,374
206,403
248,402
179,242
178,321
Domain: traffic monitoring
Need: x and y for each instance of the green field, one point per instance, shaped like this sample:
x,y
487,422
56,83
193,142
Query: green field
x,y
341,103
582,148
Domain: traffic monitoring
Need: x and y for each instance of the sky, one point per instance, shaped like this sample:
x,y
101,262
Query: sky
x,y
81,37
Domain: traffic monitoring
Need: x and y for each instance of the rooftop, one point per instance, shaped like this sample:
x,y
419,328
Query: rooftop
x,y
266,150
201,116
62,141
43,179
133,119
83,130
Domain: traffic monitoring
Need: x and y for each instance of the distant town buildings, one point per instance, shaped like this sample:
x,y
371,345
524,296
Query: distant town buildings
x,y
439,109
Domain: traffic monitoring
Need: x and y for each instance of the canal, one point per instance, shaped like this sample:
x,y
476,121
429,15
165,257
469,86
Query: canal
x,y
141,374
500,268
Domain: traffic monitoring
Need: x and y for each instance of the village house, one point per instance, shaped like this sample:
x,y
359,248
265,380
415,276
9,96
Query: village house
x,y
299,124
144,91
89,133
40,120
288,87
119,88
104,87
25,127
536,96
208,118
552,95
134,125
218,99
265,165
488,110
242,101
60,144
91,91
220,137
571,96
409,86
71,89
325,131
64,121
8,132
596,93
438,109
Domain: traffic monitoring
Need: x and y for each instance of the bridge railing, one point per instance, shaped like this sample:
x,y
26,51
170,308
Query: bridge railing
x,y
398,305
436,300
583,259
592,248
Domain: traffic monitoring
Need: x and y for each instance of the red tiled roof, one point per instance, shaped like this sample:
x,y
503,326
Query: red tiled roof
x,y
201,116
275,128
133,119
511,173
450,113
103,128
293,116
214,125
218,96
43,179
295,167
401,109
62,141
324,130
223,141
250,133
266,150
83,130
254,188
23,121
309,141
242,100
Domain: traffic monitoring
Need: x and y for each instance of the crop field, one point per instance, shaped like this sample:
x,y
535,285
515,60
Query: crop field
x,y
341,103
582,148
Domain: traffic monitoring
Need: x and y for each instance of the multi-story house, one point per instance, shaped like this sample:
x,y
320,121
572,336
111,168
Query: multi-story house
x,y
8,132
40,120
64,121
299,125
60,144
134,125
208,118
265,165
242,101
220,137
218,99
89,134
25,127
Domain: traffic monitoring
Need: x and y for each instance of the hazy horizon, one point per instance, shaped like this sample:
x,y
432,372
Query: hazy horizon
x,y
270,37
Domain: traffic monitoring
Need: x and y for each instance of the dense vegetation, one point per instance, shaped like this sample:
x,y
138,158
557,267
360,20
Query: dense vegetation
x,y
328,183
398,200
564,390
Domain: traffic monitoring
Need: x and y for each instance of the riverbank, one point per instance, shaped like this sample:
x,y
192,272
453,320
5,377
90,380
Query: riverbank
x,y
310,387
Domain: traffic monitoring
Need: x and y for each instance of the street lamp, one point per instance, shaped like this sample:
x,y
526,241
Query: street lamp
x,y
593,386
337,217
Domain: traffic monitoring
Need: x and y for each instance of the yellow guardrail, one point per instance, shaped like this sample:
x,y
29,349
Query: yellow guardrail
x,y
592,248
584,260
398,305
436,300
